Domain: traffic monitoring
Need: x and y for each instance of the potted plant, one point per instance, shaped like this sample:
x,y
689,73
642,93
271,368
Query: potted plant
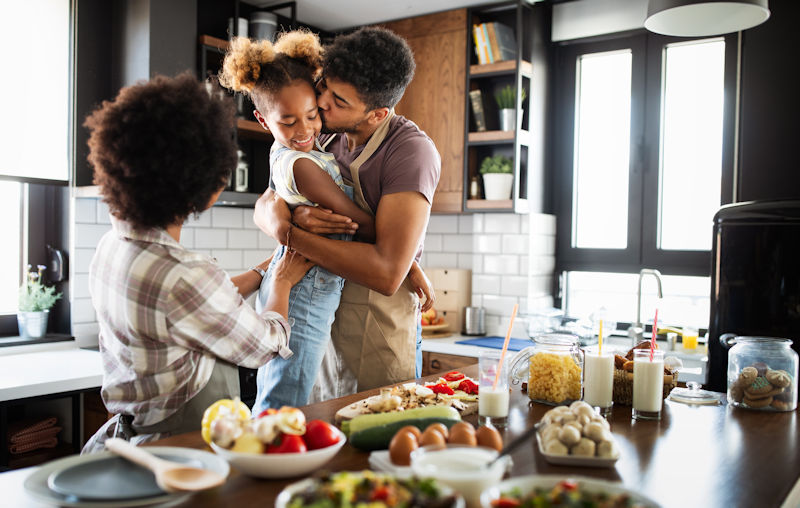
x,y
506,99
497,177
35,301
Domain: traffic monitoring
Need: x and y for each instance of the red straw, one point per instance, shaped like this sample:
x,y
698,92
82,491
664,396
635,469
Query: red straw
x,y
653,340
505,347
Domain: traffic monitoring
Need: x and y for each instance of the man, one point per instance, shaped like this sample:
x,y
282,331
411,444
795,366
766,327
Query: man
x,y
395,168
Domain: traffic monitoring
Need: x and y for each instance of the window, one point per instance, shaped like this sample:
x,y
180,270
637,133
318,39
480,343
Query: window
x,y
645,156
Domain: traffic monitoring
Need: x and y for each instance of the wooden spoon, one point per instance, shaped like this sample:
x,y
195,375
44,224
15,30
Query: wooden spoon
x,y
170,476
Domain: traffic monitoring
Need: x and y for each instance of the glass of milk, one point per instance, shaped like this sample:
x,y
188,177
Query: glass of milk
x,y
598,379
648,384
492,400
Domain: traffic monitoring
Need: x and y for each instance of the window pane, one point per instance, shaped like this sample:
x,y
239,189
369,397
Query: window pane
x,y
10,253
686,299
602,150
691,164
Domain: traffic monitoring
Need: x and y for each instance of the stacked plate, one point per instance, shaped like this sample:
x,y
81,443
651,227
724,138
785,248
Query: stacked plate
x,y
107,480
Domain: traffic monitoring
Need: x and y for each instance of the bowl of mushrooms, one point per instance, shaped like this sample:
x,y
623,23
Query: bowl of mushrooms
x,y
575,435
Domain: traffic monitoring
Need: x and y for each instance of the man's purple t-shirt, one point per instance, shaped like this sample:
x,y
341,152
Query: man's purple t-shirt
x,y
407,160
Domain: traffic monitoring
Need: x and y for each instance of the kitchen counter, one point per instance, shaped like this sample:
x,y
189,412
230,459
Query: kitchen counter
x,y
694,362
705,456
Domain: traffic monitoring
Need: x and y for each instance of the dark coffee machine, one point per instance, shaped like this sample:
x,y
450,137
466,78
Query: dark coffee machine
x,y
755,278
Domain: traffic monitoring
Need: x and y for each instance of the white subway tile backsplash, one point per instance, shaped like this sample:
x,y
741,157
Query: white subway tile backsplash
x,y
472,262
440,260
85,334
515,244
208,238
524,224
81,259
457,243
490,244
224,217
80,286
202,220
477,300
103,215
242,239
541,265
501,264
501,223
443,224
542,245
82,310
486,284
254,257
266,242
466,224
86,210
539,285
523,265
499,305
229,260
187,237
433,243
88,235
542,224
513,285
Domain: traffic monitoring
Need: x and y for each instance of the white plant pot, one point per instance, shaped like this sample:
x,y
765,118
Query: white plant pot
x,y
497,185
32,325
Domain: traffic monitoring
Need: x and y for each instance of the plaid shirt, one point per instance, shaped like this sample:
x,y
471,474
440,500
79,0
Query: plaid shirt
x,y
165,315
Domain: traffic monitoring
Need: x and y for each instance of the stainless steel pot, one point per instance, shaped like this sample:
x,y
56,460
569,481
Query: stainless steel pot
x,y
474,321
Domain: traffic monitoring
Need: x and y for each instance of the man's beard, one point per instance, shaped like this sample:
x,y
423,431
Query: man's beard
x,y
347,129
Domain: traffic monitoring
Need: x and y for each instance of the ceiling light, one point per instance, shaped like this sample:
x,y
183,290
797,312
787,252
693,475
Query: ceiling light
x,y
693,18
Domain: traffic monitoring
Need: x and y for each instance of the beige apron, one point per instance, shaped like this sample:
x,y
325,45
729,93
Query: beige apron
x,y
373,336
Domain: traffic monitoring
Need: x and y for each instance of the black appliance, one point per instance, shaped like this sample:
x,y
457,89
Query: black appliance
x,y
755,278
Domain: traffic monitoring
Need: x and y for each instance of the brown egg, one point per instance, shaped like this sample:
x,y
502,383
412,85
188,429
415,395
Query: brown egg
x,y
401,446
489,437
463,433
414,430
432,436
442,428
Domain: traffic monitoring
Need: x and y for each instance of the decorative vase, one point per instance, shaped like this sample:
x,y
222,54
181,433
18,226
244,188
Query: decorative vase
x,y
32,325
497,185
508,119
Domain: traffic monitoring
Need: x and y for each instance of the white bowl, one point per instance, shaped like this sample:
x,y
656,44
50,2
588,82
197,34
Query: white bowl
x,y
526,484
286,494
461,468
280,465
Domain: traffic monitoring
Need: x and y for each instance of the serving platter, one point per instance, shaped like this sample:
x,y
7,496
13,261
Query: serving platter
x,y
574,460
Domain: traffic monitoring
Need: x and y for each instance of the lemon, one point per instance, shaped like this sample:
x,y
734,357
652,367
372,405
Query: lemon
x,y
219,408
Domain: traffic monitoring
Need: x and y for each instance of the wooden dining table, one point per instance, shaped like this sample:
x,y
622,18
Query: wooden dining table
x,y
695,456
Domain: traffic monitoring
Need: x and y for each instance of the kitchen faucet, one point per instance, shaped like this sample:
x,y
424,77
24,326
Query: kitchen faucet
x,y
636,330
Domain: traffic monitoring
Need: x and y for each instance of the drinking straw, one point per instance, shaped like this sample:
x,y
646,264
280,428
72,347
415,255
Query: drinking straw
x,y
600,340
653,340
505,347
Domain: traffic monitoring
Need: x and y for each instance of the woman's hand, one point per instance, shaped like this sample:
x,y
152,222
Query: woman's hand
x,y
322,221
291,268
272,216
422,286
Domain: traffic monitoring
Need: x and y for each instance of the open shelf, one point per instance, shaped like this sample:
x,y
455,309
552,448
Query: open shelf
x,y
490,204
213,42
252,129
500,68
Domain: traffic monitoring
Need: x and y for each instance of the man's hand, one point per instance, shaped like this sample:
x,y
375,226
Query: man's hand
x,y
272,216
322,221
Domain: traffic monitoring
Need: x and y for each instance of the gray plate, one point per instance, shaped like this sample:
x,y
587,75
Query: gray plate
x,y
111,479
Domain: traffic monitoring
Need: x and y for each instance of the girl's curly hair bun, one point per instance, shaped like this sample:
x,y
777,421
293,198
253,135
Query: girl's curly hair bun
x,y
242,65
301,45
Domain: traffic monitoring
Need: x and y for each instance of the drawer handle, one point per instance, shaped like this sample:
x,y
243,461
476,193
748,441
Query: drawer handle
x,y
435,364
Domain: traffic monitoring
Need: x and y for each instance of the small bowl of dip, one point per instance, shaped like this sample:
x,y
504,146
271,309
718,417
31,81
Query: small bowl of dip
x,y
462,468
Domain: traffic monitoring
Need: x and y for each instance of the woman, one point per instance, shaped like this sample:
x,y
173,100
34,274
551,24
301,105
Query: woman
x,y
173,325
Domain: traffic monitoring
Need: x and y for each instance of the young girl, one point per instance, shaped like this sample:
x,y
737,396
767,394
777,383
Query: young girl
x,y
279,79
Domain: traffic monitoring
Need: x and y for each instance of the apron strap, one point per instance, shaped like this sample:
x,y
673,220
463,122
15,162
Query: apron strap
x,y
372,146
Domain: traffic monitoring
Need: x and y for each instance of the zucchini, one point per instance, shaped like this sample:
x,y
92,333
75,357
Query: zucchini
x,y
362,422
379,437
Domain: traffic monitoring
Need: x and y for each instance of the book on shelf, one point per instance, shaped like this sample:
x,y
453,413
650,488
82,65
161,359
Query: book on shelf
x,y
481,46
476,101
502,42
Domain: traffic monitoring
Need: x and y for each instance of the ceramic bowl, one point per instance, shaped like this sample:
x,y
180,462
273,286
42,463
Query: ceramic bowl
x,y
280,465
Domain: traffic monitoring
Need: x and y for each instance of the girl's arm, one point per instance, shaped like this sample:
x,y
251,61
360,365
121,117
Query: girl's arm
x,y
318,186
248,282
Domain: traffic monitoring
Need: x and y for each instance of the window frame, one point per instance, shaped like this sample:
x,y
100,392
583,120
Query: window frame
x,y
646,86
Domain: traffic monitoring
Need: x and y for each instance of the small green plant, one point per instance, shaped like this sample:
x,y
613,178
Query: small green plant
x,y
34,296
506,97
496,164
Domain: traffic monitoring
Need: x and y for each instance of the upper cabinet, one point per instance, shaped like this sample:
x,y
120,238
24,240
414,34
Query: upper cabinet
x,y
506,108
435,98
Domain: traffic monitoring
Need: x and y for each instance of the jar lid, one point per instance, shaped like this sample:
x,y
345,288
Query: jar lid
x,y
557,339
765,341
692,394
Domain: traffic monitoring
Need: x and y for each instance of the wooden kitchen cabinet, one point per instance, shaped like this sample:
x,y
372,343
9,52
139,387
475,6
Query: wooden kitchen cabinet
x,y
434,363
435,98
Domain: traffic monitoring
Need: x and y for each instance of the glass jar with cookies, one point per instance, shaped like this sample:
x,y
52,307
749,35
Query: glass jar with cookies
x,y
762,373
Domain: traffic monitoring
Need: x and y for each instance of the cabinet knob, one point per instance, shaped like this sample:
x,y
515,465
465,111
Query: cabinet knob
x,y
435,364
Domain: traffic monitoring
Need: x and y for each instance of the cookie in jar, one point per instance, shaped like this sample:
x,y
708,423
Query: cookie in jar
x,y
762,374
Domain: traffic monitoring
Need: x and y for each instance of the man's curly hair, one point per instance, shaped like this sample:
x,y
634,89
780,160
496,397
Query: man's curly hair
x,y
161,149
377,62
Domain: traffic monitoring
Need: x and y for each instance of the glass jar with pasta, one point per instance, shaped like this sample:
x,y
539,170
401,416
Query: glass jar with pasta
x,y
556,362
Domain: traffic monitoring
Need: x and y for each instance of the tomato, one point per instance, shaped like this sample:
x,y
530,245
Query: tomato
x,y
568,485
506,502
453,376
468,386
267,412
288,443
441,388
320,434
380,494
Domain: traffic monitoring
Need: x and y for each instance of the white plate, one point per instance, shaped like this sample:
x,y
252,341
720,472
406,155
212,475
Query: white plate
x,y
286,494
280,465
527,483
379,461
36,483
574,460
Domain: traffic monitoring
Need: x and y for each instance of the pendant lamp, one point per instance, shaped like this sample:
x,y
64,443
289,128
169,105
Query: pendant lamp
x,y
697,18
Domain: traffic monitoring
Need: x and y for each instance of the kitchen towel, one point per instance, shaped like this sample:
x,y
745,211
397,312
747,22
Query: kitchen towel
x,y
496,342
27,435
